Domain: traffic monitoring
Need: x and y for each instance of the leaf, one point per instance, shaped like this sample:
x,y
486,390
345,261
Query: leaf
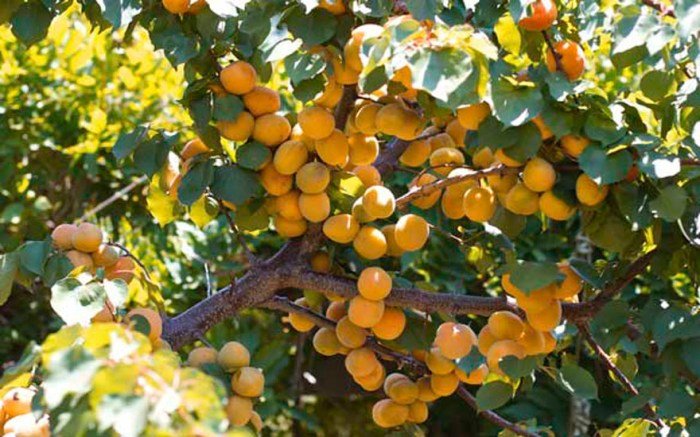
x,y
31,356
177,46
441,73
30,22
308,89
33,254
195,181
422,9
253,155
303,65
670,204
688,13
586,272
125,414
150,155
517,368
603,128
514,104
57,267
631,39
161,206
605,168
577,381
69,371
252,217
418,334
473,360
527,142
235,184
493,395
203,211
672,323
119,12
75,302
633,204
689,354
658,165
509,223
127,143
227,8
508,34
656,84
529,276
315,28
227,107
9,262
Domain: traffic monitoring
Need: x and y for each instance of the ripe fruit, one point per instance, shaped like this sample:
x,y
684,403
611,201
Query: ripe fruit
x,y
521,200
26,425
334,149
287,205
538,299
505,325
320,262
550,343
374,283
588,192
349,334
532,341
201,355
256,421
425,392
411,232
373,381
238,78
105,256
368,174
326,342
341,228
275,182
332,93
232,356
239,129
452,204
546,319
123,269
271,129
364,149
394,119
370,243
343,74
574,145
365,313
87,237
262,100
470,117
193,148
62,236
248,382
502,349
437,363
545,132
425,201
541,15
483,158
299,321
403,391
485,340
239,410
572,284
417,412
392,247
502,183
441,140
539,175
316,122
352,47
379,201
445,158
361,362
335,7
146,321
444,385
417,152
18,401
454,340
289,228
79,259
475,377
572,59
391,325
388,414
365,119
502,157
315,207
554,207
313,177
458,133
479,204
176,6
106,314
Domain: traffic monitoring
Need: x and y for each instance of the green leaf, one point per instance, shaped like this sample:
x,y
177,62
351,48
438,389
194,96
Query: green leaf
x,y
33,254
31,356
308,89
656,84
70,371
600,127
577,381
586,272
75,302
226,8
151,155
688,13
672,323
9,262
608,230
422,9
127,415
677,403
493,395
315,28
517,368
513,103
177,46
632,203
119,12
117,291
195,181
418,334
303,65
637,37
689,354
603,167
469,363
670,204
127,143
658,165
441,72
235,184
509,223
529,276
57,267
30,22
252,217
227,107
527,142
252,155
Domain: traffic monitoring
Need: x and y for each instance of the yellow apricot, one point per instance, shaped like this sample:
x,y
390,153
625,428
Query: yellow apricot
x,y
320,262
87,237
465,184
335,7
139,316
403,391
359,212
404,77
256,421
444,385
379,201
485,339
341,228
456,131
388,414
374,283
545,132
454,340
239,129
239,410
62,236
572,284
370,243
505,325
537,300
438,363
361,362
290,156
193,148
299,135
299,321
123,269
18,401
368,174
392,247
316,122
248,382
479,204
532,341
539,175
287,205
326,342
364,149
331,95
201,355
289,228
238,78
550,342
425,392
365,119
275,182
502,183
351,51
574,145
176,6
394,119
365,313
105,256
502,157
546,319
349,334
521,200
417,412
416,154
452,204
271,129
373,381
336,310
441,141
79,259
554,207
391,325
262,100
315,207
334,149
425,201
589,192
411,232
502,349
232,356
313,177
483,158
470,117
444,159
509,287
106,314
344,74
475,377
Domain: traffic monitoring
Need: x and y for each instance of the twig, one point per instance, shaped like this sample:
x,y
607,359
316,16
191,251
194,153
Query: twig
x,y
550,46
252,259
665,10
114,197
448,234
132,256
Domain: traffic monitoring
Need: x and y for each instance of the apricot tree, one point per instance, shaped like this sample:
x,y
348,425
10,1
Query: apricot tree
x,y
487,200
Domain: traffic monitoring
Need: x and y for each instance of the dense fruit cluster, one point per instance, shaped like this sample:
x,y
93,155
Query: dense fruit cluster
x,y
17,418
247,383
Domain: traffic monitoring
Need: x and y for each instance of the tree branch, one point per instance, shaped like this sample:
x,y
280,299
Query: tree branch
x,y
389,156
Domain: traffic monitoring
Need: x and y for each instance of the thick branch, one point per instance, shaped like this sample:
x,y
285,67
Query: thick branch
x,y
386,160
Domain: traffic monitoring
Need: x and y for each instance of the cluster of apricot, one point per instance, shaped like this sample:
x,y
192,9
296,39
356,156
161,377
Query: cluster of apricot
x,y
16,416
247,383
83,246
184,6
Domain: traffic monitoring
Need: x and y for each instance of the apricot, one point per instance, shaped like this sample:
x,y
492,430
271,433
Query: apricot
x,y
379,201
479,204
349,334
458,133
532,341
572,61
391,325
326,342
290,156
341,228
320,262
62,236
485,340
425,201
573,145
344,74
550,342
256,421
238,78
541,14
334,150
287,205
392,247
509,287
444,385
87,237
372,381
365,119
438,363
359,213
444,159
299,135
248,382
475,377
106,314
554,207
105,256
502,183
313,177
452,203
572,284
441,141
239,129
546,319
352,48
505,325
388,414
370,243
404,77
539,175
364,149
239,410
368,174
365,313
545,132
331,95
146,321
336,310
416,154
394,119
26,425
261,101
588,192
470,117
275,182
454,340
193,148
361,362
483,158
417,412
271,129
197,7
315,207
299,321
335,7
521,200
123,269
425,392
403,391
412,232
316,122
202,355
502,156
374,283
79,259
289,228
18,401
538,299
233,355
501,349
